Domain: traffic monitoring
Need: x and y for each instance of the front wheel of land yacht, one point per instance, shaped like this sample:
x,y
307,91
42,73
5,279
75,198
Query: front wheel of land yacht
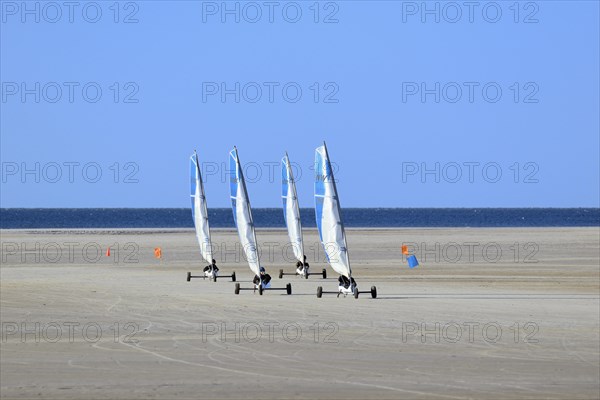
x,y
356,293
288,288
324,273
373,292
237,288
233,276
189,276
260,290
280,273
320,292
214,278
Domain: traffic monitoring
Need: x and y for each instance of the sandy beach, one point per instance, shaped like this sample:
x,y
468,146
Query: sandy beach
x,y
508,313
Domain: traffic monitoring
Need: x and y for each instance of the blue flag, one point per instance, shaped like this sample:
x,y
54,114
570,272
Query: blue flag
x,y
412,261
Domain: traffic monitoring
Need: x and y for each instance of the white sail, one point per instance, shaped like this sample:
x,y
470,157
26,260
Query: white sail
x,y
291,208
199,209
242,213
328,214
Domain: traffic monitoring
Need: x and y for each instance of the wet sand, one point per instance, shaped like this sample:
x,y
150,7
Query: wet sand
x,y
489,313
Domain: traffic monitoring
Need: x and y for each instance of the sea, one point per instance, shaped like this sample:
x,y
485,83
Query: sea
x,y
106,218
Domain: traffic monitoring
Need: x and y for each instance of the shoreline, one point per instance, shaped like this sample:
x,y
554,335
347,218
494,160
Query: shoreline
x,y
283,229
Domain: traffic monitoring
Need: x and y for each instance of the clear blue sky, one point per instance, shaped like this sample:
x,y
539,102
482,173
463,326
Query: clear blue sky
x,y
381,133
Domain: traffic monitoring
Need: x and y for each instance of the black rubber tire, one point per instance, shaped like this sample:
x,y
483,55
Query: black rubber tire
x,y
305,275
189,276
356,292
237,288
280,273
324,273
233,276
288,288
260,290
320,292
214,278
373,292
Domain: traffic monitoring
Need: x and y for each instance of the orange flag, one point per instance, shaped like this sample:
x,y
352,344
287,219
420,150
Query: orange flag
x,y
157,252
405,249
108,252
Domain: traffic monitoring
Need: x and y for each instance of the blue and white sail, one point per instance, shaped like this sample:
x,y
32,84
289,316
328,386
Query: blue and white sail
x,y
291,208
328,214
242,213
200,209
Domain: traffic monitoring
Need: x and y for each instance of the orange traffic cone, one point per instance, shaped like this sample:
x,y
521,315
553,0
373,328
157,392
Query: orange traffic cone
x,y
108,252
157,252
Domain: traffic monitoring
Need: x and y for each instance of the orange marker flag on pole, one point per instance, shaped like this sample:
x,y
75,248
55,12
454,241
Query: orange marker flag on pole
x,y
157,252
405,249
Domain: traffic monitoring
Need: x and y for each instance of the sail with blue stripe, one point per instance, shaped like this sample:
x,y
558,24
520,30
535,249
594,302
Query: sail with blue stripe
x,y
200,209
242,213
328,214
291,208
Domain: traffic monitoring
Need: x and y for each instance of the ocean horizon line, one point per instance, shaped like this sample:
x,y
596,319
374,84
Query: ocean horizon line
x,y
307,208
73,218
